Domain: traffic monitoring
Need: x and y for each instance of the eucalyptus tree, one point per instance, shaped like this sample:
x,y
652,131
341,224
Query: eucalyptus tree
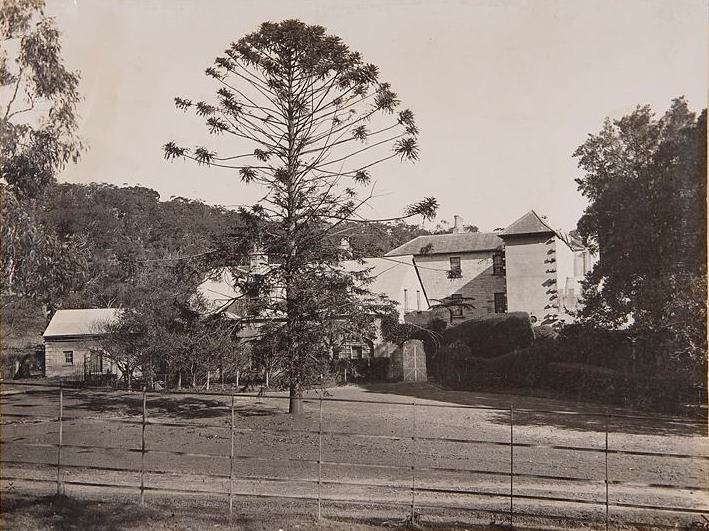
x,y
304,117
38,138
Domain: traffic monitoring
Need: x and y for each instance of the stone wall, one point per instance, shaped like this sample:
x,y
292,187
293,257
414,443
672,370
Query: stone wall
x,y
477,284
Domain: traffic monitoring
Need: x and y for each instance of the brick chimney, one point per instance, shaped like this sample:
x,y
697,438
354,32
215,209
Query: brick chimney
x,y
457,224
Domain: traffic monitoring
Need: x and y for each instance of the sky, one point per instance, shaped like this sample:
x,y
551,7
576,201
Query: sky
x,y
503,91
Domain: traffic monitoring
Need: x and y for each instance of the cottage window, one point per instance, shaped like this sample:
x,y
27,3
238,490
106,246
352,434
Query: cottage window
x,y
498,263
455,264
356,348
500,302
69,356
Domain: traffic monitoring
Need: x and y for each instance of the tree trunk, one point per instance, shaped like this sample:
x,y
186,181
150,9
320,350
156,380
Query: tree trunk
x,y
179,380
295,405
208,375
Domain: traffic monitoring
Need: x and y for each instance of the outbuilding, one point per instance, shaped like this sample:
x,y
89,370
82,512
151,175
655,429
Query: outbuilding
x,y
71,343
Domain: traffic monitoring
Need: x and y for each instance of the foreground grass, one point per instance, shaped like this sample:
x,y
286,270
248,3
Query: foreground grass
x,y
68,513
27,512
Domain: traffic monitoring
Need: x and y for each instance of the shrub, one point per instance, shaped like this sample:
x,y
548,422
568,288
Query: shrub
x,y
492,336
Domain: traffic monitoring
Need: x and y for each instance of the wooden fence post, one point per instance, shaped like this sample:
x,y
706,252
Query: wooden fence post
x,y
606,458
60,475
231,462
413,465
142,451
512,461
320,459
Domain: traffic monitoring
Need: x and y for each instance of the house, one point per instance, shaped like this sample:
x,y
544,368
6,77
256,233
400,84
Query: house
x,y
528,266
398,280
544,267
395,278
70,342
464,271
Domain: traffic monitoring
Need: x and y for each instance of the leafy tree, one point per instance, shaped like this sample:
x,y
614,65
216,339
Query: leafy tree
x,y
162,331
129,229
38,137
309,121
645,179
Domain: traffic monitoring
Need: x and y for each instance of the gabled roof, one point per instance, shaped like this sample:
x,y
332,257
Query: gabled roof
x,y
462,242
219,290
388,277
86,322
530,223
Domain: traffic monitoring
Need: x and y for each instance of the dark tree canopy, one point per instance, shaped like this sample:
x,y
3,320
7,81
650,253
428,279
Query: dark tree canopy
x,y
645,179
304,117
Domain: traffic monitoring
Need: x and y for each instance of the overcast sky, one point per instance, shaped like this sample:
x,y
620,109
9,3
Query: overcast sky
x,y
503,91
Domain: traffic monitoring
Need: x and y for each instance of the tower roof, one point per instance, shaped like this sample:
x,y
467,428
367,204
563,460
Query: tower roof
x,y
530,223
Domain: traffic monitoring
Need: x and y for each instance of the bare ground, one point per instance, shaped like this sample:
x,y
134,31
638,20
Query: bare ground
x,y
277,456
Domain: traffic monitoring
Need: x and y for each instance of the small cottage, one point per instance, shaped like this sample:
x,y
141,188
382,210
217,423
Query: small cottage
x,y
70,343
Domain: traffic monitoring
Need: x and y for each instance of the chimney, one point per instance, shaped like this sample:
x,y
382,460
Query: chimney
x,y
258,259
457,224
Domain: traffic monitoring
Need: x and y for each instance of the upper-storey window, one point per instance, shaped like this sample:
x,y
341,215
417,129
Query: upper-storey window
x,y
455,264
498,263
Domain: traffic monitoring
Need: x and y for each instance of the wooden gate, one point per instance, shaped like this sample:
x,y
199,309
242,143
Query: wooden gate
x,y
408,364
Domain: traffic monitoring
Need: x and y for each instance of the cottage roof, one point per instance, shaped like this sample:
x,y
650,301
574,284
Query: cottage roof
x,y
530,223
85,322
462,242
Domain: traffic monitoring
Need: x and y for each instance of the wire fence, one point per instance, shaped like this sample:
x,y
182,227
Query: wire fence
x,y
410,465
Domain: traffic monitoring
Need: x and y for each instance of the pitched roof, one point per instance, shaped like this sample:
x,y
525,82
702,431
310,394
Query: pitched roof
x,y
530,223
387,276
462,242
87,322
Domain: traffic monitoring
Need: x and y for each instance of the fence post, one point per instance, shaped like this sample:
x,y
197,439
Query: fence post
x,y
142,451
320,460
60,475
512,460
606,456
231,461
413,465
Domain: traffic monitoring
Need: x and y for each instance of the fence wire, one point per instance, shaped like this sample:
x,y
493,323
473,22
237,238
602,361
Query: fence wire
x,y
612,508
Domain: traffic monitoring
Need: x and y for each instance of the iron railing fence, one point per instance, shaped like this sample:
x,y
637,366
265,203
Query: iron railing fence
x,y
608,503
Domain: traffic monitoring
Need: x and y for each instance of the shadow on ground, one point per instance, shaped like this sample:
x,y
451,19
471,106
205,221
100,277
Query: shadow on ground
x,y
66,513
180,406
533,411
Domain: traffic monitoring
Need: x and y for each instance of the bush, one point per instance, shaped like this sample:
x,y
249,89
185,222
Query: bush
x,y
360,370
492,336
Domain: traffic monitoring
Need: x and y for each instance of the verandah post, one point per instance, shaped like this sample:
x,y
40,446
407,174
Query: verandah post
x,y
60,475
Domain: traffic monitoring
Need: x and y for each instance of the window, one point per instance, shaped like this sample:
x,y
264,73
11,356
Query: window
x,y
498,263
455,264
456,305
356,348
69,356
500,302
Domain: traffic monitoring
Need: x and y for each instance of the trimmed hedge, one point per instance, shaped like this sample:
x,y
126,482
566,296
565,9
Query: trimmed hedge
x,y
492,336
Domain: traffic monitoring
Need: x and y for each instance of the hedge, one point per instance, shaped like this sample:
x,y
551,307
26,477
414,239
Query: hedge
x,y
492,336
